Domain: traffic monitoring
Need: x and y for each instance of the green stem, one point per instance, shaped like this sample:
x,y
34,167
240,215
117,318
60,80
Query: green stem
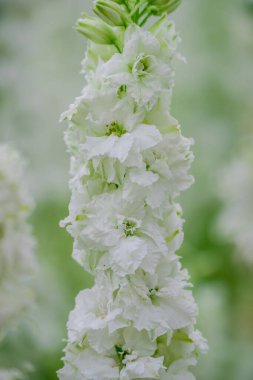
x,y
136,14
117,42
127,6
146,17
135,9
117,46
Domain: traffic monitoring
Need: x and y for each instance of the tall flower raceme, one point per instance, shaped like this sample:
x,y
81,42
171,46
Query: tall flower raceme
x,y
235,221
17,261
129,163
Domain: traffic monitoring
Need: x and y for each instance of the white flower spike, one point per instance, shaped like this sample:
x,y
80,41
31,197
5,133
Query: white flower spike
x,y
129,164
17,261
236,188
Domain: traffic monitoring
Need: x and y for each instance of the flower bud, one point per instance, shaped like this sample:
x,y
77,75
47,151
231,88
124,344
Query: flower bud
x,y
96,30
111,12
161,6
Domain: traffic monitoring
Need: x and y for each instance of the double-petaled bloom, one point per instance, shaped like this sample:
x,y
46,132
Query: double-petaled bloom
x,y
129,163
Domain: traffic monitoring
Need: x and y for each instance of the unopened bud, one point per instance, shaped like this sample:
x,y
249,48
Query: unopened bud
x,y
112,13
97,31
161,6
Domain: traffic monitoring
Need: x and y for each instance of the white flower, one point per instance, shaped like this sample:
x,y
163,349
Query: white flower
x,y
142,368
140,67
159,302
164,30
115,234
94,54
130,358
121,145
125,236
97,109
95,318
87,364
109,132
136,356
166,174
181,350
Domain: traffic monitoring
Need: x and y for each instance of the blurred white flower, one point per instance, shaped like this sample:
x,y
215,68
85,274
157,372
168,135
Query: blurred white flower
x,y
10,374
236,191
129,163
17,262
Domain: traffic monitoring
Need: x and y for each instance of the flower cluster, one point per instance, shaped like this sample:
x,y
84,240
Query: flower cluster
x,y
16,242
129,163
236,188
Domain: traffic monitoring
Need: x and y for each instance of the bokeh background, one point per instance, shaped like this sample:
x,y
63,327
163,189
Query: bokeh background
x,y
39,76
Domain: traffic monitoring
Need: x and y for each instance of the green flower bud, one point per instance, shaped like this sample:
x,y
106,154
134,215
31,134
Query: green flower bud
x,y
97,31
161,6
112,13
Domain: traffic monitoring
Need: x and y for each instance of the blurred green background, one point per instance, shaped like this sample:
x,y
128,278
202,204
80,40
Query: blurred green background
x,y
213,99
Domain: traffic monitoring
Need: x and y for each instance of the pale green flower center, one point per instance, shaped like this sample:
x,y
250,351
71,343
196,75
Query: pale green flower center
x,y
157,155
115,128
121,354
142,66
130,227
100,312
122,91
152,292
